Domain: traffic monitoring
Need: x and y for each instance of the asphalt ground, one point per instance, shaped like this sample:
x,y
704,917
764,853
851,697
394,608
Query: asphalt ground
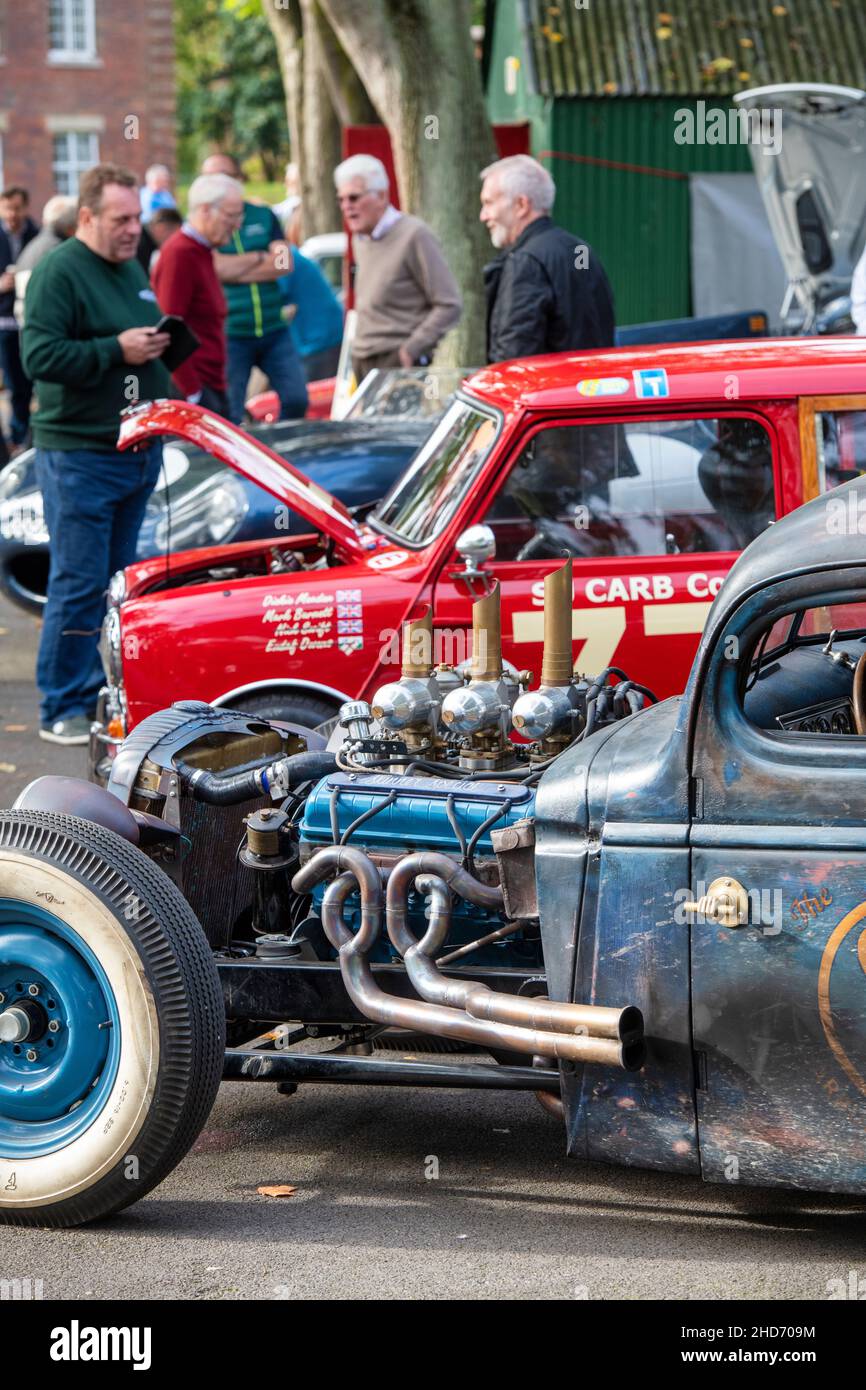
x,y
507,1217
23,755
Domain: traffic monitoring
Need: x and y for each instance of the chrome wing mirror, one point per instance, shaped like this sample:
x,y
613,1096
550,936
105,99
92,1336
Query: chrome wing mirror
x,y
474,546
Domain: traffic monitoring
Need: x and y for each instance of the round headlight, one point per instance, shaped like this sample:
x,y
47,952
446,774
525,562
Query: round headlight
x,y
227,508
117,589
109,647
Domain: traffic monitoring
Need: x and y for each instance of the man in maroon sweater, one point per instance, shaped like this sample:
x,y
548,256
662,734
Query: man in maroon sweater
x,y
186,284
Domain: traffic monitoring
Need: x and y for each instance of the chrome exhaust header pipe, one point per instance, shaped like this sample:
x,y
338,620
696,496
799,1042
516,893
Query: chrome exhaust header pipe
x,y
435,875
356,870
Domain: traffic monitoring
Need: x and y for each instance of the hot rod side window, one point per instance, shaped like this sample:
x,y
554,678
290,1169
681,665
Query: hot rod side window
x,y
640,487
801,671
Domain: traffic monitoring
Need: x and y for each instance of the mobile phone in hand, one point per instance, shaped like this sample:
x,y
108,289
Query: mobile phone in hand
x,y
183,341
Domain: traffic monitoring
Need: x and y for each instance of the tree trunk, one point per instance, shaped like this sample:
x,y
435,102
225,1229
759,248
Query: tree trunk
x,y
286,26
416,61
321,147
314,128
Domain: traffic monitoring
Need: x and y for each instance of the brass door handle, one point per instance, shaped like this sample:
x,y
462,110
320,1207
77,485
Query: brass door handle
x,y
725,901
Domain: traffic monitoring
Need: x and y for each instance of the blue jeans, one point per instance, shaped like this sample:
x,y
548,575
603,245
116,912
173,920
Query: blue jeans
x,y
94,505
18,384
322,364
278,358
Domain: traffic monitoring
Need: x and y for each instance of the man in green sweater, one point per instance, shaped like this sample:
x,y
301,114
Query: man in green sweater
x,y
90,346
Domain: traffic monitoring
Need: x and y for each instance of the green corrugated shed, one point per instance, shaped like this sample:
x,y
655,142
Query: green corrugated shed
x,y
637,216
601,90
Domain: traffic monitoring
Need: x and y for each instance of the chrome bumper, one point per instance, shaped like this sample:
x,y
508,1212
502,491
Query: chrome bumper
x,y
103,745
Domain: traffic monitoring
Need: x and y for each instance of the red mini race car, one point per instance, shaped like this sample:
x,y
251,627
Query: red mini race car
x,y
650,467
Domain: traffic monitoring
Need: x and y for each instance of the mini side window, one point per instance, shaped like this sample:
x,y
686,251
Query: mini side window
x,y
840,446
645,487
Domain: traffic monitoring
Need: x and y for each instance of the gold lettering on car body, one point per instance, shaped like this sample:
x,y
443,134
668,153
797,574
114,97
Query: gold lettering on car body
x,y
831,951
808,906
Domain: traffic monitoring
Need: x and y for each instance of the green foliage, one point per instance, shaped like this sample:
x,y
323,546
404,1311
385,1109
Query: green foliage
x,y
229,90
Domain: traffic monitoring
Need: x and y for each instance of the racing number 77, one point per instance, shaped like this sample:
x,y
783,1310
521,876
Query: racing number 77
x,y
602,629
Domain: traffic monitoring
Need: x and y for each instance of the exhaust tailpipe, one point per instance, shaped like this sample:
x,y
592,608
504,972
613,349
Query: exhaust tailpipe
x,y
556,667
487,637
418,647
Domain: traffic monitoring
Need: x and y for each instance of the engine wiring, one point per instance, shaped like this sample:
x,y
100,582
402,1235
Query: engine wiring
x,y
481,830
370,812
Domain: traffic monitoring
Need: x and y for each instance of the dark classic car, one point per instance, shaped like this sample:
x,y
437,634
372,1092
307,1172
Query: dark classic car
x,y
200,502
652,915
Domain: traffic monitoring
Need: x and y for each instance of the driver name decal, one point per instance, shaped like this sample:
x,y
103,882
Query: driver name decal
x,y
302,622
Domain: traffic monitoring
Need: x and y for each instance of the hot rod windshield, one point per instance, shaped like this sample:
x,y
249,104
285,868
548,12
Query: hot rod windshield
x,y
809,627
424,499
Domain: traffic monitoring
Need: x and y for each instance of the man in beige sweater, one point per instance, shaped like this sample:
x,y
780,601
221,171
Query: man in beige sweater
x,y
405,296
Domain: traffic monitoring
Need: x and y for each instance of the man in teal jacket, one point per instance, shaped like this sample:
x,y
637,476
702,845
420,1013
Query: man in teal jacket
x,y
257,335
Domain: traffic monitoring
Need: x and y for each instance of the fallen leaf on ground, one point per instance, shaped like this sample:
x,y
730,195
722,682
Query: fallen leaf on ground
x,y
14,728
4,632
279,1191
8,767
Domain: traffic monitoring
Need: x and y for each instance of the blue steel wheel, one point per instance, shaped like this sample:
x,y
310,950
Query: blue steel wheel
x,y
112,1030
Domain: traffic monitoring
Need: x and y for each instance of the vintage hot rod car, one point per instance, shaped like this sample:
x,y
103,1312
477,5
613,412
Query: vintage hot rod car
x,y
652,916
651,466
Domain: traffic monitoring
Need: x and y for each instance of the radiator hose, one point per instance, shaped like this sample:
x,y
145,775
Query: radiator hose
x,y
263,779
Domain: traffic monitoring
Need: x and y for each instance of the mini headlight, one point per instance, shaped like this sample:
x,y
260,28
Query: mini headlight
x,y
117,589
109,647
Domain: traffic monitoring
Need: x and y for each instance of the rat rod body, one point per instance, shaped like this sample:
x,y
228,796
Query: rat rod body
x,y
652,914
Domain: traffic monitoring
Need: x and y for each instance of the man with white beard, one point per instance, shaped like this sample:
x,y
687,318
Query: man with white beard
x,y
547,291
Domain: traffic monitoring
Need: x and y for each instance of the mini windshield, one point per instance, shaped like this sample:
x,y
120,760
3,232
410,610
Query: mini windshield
x,y
425,498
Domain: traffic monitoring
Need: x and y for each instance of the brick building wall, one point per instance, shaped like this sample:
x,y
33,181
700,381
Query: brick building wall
x,y
107,93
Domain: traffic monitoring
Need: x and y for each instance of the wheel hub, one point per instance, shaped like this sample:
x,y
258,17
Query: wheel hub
x,y
59,1031
22,1021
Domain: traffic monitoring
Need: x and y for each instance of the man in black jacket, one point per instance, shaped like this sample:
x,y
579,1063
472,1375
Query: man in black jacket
x,y
547,292
16,229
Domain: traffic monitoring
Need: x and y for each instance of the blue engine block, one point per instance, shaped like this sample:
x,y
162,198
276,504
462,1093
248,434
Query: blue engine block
x,y
418,819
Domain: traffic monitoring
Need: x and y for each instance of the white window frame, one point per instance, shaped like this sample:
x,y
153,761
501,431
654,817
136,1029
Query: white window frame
x,y
67,53
72,167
